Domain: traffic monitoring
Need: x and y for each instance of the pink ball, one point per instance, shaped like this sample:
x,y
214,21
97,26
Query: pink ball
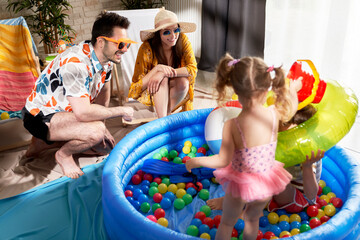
x,y
152,218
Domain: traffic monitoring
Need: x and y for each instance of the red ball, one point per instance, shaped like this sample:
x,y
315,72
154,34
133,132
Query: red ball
x,y
128,193
260,235
319,191
268,235
217,220
315,222
165,159
159,213
324,219
201,150
141,173
199,186
189,185
201,216
136,179
209,221
234,233
312,211
152,218
322,202
157,180
185,159
337,202
157,197
285,236
148,176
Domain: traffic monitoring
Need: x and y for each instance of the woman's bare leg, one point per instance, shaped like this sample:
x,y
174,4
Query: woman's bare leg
x,y
161,99
179,87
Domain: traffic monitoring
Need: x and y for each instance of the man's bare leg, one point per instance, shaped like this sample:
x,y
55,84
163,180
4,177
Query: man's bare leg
x,y
215,203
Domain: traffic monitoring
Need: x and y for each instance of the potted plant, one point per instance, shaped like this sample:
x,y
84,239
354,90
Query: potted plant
x,y
142,4
47,20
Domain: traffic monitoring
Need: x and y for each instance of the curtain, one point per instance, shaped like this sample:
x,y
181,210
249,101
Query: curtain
x,y
234,26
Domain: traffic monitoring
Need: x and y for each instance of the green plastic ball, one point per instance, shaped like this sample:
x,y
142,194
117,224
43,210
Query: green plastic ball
x,y
164,152
191,155
152,191
154,184
187,199
173,154
145,207
157,156
304,228
326,190
177,160
193,149
155,206
166,180
204,194
179,203
192,230
205,209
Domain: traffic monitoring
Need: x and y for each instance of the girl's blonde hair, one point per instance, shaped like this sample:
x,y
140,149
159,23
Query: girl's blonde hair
x,y
249,77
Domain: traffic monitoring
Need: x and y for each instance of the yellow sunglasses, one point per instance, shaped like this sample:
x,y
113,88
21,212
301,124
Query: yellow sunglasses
x,y
122,42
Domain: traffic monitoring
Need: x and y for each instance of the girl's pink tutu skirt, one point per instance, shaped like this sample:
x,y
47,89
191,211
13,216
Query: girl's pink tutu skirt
x,y
253,186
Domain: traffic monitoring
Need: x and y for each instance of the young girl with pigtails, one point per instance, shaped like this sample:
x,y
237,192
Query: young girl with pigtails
x,y
246,165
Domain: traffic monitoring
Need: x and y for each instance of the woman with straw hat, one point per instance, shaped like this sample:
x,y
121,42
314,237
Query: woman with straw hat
x,y
165,68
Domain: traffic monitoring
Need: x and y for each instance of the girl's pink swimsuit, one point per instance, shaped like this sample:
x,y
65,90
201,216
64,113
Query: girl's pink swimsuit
x,y
254,173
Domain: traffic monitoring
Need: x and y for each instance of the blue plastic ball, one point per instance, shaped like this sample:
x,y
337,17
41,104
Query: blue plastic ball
x,y
197,222
170,195
145,189
136,204
179,147
295,224
240,224
275,229
192,191
265,213
205,183
182,155
130,199
284,226
281,212
165,203
305,222
263,221
130,187
212,233
204,229
137,192
304,216
145,182
199,154
143,198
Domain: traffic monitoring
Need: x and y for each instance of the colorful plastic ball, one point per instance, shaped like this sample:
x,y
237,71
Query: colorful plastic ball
x,y
217,220
151,218
315,222
234,233
157,180
143,198
273,218
157,197
326,190
187,199
148,177
212,233
184,159
192,230
195,221
170,195
182,155
164,152
191,155
155,206
260,235
325,197
322,202
166,180
274,237
162,188
180,185
145,207
320,214
130,199
330,210
203,228
157,156
165,159
200,215
322,183
324,219
285,233
179,147
295,231
331,195
4,115
294,217
177,160
303,216
153,191
136,204
205,146
165,203
186,149
172,188
173,154
199,155
128,193
304,222
213,179
191,191
206,209
268,235
198,186
130,187
159,213
312,211
206,183
180,193
179,203
188,144
209,221
284,226
201,150
145,189
284,218
295,224
189,185
145,182
275,229
204,194
281,212
154,184
136,179
319,190
205,236
337,202
263,221
137,192
163,222
239,225
304,228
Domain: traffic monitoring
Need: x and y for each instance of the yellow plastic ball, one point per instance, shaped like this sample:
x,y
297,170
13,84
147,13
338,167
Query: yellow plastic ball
x,y
331,195
234,97
4,115
284,218
273,218
330,210
325,197
295,218
163,222
180,193
188,144
205,236
172,188
322,183
274,237
320,214
214,180
186,149
284,233
295,231
162,188
180,185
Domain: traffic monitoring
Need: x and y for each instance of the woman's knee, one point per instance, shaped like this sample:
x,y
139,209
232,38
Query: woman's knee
x,y
182,84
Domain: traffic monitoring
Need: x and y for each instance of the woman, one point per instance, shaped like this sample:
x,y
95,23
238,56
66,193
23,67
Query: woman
x,y
165,68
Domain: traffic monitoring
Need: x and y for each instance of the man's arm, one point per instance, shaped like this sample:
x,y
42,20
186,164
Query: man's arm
x,y
104,96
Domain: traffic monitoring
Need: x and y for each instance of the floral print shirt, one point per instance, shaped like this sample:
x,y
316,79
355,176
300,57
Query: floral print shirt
x,y
76,72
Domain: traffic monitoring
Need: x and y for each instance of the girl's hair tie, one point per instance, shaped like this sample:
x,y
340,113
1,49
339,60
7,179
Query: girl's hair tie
x,y
233,62
271,71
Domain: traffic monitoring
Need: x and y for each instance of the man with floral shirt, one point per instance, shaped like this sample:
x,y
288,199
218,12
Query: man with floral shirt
x,y
70,99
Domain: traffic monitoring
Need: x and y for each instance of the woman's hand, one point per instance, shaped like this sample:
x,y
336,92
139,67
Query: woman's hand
x,y
192,163
154,82
166,70
314,158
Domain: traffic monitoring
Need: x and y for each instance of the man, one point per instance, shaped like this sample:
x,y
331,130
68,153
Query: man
x,y
69,102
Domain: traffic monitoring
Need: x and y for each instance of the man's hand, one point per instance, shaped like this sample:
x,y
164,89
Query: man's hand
x,y
128,113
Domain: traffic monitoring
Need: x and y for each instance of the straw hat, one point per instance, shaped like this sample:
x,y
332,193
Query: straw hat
x,y
163,19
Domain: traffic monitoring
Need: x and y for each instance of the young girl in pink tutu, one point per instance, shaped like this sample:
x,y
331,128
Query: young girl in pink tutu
x,y
246,165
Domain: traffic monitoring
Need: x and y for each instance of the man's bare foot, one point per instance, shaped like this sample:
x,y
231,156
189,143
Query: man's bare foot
x,y
68,166
37,146
215,203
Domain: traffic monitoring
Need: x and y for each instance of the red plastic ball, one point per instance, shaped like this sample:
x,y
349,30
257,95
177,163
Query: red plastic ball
x,y
199,186
337,202
128,193
157,180
322,202
285,236
141,173
209,221
268,235
148,177
159,213
189,185
319,191
201,150
234,233
217,220
152,218
165,159
136,179
324,219
260,235
312,211
185,159
314,223
201,216
157,197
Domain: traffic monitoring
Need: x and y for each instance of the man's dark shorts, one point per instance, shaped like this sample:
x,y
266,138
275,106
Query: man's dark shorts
x,y
36,125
